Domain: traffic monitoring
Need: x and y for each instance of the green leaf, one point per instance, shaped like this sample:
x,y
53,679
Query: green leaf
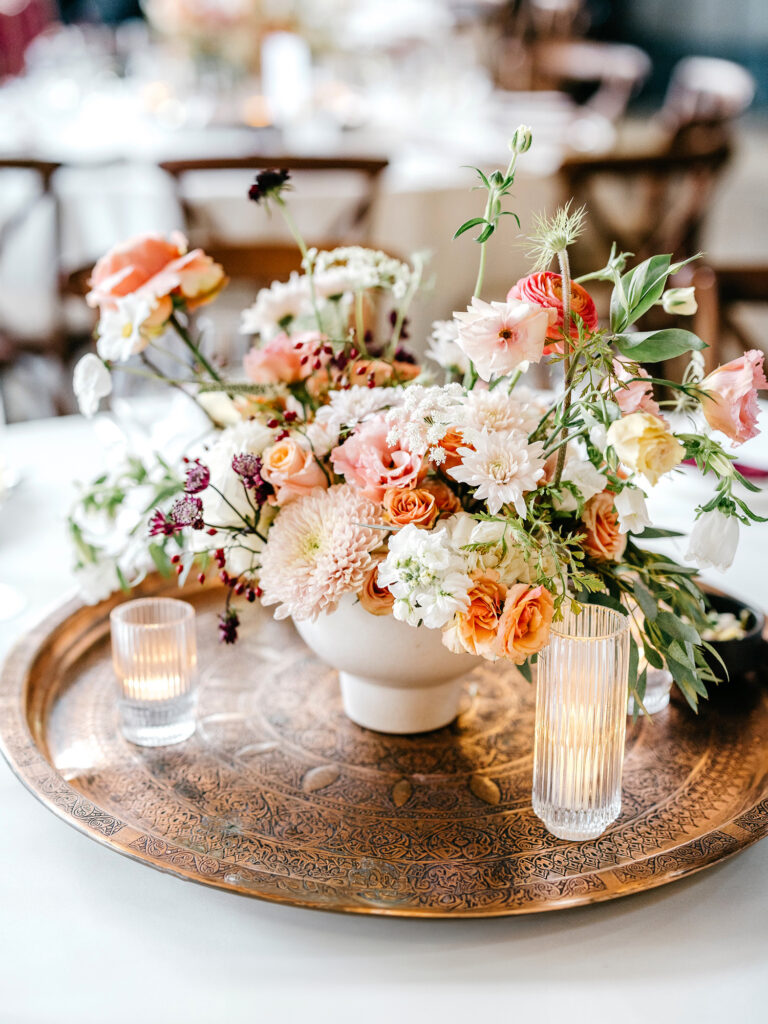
x,y
640,288
122,580
469,224
634,660
525,671
645,599
677,628
656,346
652,531
652,656
161,560
606,601
485,234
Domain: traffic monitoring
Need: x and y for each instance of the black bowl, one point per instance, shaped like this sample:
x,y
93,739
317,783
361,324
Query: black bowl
x,y
739,656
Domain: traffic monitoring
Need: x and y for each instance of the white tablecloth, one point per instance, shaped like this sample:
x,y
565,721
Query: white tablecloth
x,y
88,937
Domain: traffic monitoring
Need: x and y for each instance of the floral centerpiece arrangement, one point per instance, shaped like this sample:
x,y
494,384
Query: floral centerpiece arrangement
x,y
339,470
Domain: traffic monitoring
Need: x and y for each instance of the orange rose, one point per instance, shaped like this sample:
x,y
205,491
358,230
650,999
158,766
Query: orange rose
x,y
404,505
375,599
475,630
292,470
447,502
601,522
451,441
524,623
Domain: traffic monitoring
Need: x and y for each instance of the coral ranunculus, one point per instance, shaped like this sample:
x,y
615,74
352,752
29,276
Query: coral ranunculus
x,y
546,289
156,268
604,539
731,402
524,623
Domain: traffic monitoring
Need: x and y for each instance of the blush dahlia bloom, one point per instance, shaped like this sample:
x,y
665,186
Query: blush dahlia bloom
x,y
499,336
502,468
369,463
546,290
731,402
319,548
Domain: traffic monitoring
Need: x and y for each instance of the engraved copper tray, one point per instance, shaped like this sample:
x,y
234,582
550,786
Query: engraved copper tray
x,y
279,796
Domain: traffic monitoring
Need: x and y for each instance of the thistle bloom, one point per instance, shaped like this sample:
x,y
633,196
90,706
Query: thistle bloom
x,y
713,541
318,549
731,402
499,336
502,468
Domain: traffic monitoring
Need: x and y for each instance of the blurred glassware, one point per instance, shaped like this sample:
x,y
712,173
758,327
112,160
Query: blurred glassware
x,y
12,601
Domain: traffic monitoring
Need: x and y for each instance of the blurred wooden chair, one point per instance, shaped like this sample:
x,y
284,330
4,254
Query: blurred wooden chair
x,y
704,98
650,203
601,77
724,293
259,260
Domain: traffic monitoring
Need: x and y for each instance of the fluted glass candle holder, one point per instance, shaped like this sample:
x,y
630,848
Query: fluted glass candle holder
x,y
154,652
581,711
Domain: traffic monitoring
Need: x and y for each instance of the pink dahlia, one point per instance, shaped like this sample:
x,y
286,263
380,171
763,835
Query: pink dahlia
x,y
318,549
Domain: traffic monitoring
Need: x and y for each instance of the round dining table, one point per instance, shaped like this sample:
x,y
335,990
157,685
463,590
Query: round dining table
x,y
89,937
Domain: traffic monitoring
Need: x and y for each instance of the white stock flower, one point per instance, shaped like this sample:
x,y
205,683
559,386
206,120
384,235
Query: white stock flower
x,y
120,334
502,467
713,541
632,510
586,477
444,348
282,301
680,301
91,382
423,416
427,577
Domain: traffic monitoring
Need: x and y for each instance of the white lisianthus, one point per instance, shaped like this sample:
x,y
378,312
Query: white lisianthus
x,y
586,477
486,545
632,510
713,541
120,334
679,301
427,577
91,382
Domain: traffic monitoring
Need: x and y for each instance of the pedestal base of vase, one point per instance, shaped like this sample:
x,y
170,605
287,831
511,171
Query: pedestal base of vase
x,y
399,709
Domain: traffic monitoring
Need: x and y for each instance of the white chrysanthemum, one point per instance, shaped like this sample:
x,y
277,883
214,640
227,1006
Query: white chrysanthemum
x,y
282,301
443,347
498,410
120,334
423,416
319,548
91,382
502,468
427,577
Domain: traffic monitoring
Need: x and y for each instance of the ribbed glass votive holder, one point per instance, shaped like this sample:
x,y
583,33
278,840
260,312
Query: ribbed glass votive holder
x,y
154,652
581,710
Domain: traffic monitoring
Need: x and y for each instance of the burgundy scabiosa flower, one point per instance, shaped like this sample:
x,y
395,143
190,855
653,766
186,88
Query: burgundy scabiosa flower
x,y
248,468
186,511
268,184
198,478
228,623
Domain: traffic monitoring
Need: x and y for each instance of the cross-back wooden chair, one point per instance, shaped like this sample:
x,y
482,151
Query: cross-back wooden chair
x,y
723,293
260,260
704,98
647,203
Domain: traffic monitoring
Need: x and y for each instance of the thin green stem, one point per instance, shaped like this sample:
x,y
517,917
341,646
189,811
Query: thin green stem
x,y
183,333
174,384
491,215
565,272
360,323
298,238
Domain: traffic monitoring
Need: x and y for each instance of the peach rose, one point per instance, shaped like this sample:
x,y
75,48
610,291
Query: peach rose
x,y
292,470
601,522
451,441
546,289
277,362
446,500
731,402
404,505
375,599
155,268
369,463
524,623
475,629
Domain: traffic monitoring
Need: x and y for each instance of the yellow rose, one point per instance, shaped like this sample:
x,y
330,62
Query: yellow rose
x,y
645,444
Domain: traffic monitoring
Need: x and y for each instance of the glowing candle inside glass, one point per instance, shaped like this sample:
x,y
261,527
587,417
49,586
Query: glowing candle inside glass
x,y
154,652
581,707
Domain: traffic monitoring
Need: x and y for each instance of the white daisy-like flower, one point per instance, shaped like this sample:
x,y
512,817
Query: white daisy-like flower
x,y
444,348
427,577
502,468
91,382
365,268
275,307
120,334
319,548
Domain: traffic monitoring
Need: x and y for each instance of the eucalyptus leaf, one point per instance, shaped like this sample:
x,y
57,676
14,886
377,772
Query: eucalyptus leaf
x,y
645,599
677,628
